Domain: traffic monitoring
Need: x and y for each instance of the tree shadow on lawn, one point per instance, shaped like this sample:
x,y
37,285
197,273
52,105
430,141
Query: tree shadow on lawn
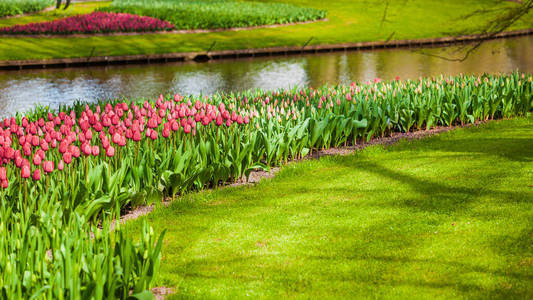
x,y
512,149
438,197
449,274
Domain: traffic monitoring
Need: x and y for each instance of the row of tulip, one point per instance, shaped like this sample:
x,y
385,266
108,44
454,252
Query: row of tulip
x,y
96,22
17,7
58,170
208,14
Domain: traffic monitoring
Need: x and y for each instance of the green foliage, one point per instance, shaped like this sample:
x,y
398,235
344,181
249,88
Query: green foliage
x,y
17,7
48,254
207,14
282,125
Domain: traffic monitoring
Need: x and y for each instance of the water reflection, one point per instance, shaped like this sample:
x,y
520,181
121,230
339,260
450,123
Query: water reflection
x,y
21,90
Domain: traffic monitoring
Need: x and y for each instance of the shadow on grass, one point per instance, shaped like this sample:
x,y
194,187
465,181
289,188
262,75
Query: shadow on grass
x,y
512,149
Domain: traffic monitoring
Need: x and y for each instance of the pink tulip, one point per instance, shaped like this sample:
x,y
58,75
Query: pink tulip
x,y
25,172
3,174
36,175
95,150
61,165
67,157
166,132
187,128
48,166
110,152
153,135
37,160
86,149
137,136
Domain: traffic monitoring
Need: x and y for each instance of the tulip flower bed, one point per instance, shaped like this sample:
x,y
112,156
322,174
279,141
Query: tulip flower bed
x,y
17,7
62,174
96,22
208,14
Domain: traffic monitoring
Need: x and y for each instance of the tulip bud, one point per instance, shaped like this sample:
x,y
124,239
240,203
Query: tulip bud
x,y
153,135
67,157
37,160
36,175
95,150
3,174
48,166
110,151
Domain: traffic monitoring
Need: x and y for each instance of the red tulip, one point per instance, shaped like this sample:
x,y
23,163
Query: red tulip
x,y
3,174
61,165
5,184
36,175
35,141
75,152
67,157
110,151
187,128
153,135
95,150
86,149
116,138
25,172
37,160
89,135
219,121
166,132
175,126
137,136
48,166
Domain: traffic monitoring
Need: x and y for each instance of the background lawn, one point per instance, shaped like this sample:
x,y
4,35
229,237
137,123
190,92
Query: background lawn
x,y
348,21
447,216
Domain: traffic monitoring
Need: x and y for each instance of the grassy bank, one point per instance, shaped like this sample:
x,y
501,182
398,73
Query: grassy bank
x,y
348,21
445,217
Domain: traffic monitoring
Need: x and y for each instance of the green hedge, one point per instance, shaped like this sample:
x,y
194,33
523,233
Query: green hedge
x,y
17,7
209,14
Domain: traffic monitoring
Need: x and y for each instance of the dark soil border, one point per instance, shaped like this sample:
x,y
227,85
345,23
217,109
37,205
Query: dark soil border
x,y
245,53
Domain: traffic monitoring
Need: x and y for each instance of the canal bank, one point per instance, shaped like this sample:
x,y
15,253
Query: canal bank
x,y
229,54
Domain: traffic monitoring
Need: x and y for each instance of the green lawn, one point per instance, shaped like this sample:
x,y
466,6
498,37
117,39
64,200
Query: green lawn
x,y
449,216
348,21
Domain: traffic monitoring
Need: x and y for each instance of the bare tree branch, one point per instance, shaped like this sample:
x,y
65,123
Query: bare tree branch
x,y
384,18
504,19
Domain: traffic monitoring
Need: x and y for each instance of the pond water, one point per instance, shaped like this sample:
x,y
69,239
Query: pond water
x,y
21,90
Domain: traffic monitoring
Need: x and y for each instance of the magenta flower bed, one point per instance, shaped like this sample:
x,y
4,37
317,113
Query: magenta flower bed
x,y
96,22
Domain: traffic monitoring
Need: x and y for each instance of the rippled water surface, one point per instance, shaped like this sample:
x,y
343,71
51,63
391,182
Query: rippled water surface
x,y
21,90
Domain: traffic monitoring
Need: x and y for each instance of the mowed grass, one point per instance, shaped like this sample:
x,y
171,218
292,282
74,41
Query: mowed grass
x,y
348,21
449,216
